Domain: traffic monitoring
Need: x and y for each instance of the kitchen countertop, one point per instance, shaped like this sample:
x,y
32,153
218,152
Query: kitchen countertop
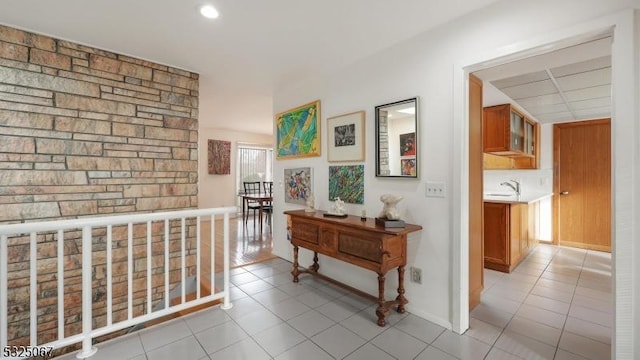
x,y
511,198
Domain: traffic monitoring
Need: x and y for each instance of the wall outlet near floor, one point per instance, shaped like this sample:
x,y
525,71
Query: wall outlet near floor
x,y
435,189
416,275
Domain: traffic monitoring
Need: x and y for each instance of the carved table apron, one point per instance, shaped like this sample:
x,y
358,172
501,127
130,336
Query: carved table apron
x,y
355,241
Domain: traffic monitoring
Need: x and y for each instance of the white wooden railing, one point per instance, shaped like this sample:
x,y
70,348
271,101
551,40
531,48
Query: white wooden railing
x,y
87,225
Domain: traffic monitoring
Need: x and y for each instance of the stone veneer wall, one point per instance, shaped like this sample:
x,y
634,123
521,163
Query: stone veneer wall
x,y
86,132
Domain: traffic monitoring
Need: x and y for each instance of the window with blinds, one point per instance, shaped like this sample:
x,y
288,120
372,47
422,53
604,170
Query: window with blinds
x,y
254,164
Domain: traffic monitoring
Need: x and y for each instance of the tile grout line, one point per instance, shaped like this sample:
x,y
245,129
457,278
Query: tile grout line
x,y
521,303
567,316
429,344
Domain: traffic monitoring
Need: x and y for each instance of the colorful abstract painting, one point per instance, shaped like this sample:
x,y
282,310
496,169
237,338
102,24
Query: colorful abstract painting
x,y
219,159
298,132
407,144
408,167
297,185
347,183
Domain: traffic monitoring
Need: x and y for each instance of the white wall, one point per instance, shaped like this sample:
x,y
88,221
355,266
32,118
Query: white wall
x,y
424,66
220,190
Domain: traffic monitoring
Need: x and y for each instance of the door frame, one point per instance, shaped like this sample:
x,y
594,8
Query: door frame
x,y
624,116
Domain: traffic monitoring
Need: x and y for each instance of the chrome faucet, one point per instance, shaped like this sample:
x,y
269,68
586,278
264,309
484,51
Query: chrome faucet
x,y
515,186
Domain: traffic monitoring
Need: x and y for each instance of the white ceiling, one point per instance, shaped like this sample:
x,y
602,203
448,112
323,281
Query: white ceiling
x,y
254,47
569,84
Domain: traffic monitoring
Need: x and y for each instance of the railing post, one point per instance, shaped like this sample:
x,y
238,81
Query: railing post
x,y
33,288
4,289
87,291
225,267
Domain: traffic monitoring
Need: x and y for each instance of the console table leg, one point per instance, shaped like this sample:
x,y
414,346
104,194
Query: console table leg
x,y
381,311
402,301
295,272
315,265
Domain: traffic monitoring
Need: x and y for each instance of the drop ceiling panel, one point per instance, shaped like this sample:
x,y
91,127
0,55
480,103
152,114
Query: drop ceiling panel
x,y
546,109
569,84
585,79
520,80
584,66
538,88
591,103
595,113
570,55
589,93
542,100
555,117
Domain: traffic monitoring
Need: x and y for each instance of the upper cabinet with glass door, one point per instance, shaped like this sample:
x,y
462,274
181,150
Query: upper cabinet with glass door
x,y
507,132
516,128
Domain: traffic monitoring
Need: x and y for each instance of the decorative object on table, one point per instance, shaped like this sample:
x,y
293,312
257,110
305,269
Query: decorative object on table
x,y
337,209
298,132
390,216
219,157
298,185
397,139
311,204
347,183
363,215
345,137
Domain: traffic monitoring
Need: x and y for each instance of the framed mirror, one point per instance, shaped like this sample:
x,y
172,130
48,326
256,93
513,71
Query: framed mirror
x,y
397,139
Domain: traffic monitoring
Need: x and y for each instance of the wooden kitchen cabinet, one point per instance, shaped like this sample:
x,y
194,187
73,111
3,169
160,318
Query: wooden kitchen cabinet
x,y
510,139
507,238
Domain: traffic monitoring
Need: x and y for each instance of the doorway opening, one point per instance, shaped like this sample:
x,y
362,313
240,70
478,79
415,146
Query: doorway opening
x,y
539,291
461,253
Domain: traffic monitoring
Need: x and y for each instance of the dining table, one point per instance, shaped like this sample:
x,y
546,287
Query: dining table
x,y
261,198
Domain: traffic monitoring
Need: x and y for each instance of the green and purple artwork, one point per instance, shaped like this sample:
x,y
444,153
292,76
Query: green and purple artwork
x,y
347,183
298,132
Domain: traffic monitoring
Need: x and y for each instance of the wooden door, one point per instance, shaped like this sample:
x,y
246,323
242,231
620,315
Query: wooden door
x,y
582,184
476,243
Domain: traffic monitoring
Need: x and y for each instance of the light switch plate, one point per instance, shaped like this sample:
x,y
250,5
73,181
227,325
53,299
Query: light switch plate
x,y
435,189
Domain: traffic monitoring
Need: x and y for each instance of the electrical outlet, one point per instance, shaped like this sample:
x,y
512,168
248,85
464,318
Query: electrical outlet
x,y
435,189
416,275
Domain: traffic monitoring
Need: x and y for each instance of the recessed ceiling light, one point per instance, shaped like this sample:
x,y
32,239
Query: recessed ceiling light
x,y
209,11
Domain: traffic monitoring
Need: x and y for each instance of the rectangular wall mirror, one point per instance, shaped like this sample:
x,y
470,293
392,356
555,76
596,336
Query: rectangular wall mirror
x,y
397,139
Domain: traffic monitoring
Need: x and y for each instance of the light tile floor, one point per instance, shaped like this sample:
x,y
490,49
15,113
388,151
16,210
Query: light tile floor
x,y
555,305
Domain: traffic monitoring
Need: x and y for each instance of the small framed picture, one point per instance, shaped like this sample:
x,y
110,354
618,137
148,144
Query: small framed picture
x,y
408,144
346,137
219,157
298,185
408,166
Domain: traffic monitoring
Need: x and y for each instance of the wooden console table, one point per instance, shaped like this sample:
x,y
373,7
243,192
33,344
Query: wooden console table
x,y
357,242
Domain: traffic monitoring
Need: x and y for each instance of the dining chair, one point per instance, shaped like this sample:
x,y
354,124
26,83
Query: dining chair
x,y
268,205
251,187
